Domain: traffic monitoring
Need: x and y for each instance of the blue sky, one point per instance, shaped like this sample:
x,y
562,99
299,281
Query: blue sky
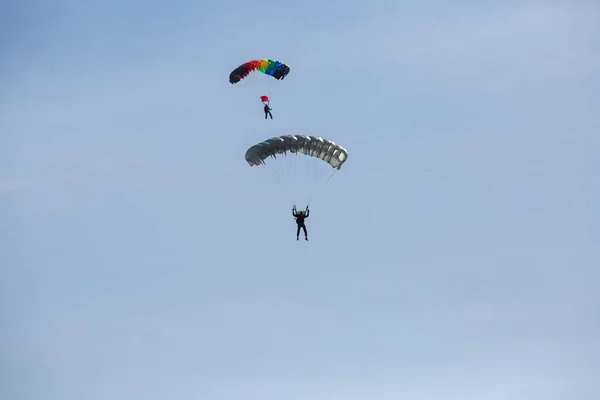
x,y
454,256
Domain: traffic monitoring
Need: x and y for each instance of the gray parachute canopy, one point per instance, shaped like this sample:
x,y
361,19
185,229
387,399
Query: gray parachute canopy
x,y
313,146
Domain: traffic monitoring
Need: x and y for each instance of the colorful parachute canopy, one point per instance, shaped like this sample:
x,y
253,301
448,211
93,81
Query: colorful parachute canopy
x,y
276,69
312,146
264,99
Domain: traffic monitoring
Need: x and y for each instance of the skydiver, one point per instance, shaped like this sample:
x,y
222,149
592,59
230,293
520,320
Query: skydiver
x,y
300,216
268,111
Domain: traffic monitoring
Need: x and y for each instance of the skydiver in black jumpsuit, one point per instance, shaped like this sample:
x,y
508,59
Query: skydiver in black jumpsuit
x,y
300,215
268,111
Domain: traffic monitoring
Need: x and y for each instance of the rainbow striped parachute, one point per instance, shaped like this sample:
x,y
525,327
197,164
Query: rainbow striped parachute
x,y
276,69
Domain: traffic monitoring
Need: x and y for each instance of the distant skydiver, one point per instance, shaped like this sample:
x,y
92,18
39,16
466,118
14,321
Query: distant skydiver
x,y
300,216
268,111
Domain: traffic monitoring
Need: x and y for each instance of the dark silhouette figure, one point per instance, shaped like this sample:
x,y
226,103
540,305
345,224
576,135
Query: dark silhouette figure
x,y
268,111
300,216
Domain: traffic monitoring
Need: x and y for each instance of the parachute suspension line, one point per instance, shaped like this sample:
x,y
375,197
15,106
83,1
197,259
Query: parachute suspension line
x,y
287,167
321,186
309,166
321,170
290,178
330,176
291,173
270,168
275,175
293,162
278,176
310,169
287,171
301,163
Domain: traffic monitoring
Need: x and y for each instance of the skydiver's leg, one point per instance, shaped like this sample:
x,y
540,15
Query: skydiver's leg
x,y
305,233
298,232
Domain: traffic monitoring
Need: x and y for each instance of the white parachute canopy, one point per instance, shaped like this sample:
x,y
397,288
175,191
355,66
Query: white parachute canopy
x,y
301,164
